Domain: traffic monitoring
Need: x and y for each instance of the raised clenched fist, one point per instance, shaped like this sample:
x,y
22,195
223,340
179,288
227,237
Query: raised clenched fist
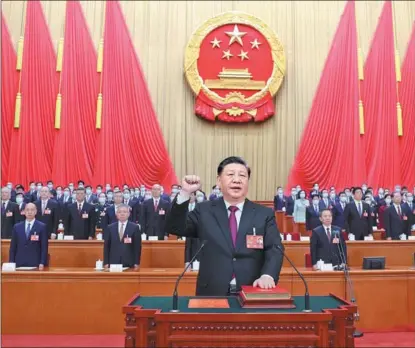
x,y
191,183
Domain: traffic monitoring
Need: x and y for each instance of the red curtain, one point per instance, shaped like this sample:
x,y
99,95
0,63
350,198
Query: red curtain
x,y
330,151
407,94
131,147
31,153
9,84
75,145
380,98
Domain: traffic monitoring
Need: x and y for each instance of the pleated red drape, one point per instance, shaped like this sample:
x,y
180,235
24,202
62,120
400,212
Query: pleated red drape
x,y
380,98
407,94
31,152
131,147
9,85
75,145
330,150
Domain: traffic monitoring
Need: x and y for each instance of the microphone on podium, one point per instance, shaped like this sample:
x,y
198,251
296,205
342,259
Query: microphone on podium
x,y
307,308
175,308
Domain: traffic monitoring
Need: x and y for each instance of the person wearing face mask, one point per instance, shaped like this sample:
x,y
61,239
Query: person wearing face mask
x,y
71,187
289,203
12,191
300,207
200,196
215,193
333,198
154,213
396,219
312,214
111,216
9,213
20,202
279,200
164,195
364,189
81,184
133,204
372,205
90,197
59,193
98,190
348,195
49,184
100,212
110,197
36,194
380,196
387,201
325,201
409,207
107,188
338,210
32,189
316,189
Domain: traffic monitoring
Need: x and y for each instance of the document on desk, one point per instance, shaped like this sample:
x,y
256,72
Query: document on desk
x,y
25,268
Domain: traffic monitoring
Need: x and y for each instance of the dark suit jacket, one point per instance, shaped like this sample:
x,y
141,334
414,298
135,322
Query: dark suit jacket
x,y
410,211
279,203
360,226
338,215
312,218
8,218
50,217
118,252
323,204
289,206
21,216
395,225
152,222
25,252
92,199
78,226
321,248
219,259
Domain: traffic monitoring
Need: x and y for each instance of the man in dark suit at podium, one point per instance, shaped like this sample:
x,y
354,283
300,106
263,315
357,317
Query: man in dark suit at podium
x,y
241,236
324,240
396,219
122,243
80,219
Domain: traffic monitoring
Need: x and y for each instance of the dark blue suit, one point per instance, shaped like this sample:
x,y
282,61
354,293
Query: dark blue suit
x,y
312,218
116,251
323,248
289,205
279,202
338,215
26,252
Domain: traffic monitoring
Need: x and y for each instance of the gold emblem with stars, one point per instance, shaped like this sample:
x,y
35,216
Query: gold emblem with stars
x,y
255,44
227,54
243,55
236,35
215,43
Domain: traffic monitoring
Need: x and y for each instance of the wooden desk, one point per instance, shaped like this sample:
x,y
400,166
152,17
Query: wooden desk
x,y
84,301
170,253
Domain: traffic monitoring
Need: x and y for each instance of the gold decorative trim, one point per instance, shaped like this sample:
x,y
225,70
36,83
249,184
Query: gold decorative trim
x,y
234,17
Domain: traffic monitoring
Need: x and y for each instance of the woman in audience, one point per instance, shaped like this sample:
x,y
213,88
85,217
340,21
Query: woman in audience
x,y
382,208
300,206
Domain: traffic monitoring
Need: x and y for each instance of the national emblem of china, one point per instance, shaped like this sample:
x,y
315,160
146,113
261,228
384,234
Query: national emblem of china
x,y
235,65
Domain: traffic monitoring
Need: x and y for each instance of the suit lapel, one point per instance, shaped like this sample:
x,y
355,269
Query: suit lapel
x,y
248,215
220,214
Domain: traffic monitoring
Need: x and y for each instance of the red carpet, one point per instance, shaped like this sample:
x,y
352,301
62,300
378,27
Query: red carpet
x,y
391,339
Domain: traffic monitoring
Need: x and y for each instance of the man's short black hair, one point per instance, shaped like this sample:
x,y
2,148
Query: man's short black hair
x,y
342,193
355,189
315,195
231,160
49,182
80,189
81,182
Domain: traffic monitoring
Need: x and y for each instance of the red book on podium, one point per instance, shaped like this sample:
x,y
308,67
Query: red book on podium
x,y
255,297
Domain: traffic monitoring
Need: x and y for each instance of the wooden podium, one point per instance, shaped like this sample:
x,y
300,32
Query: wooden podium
x,y
149,323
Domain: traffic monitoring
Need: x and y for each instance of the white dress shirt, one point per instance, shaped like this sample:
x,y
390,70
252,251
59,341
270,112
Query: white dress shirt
x,y
27,222
6,203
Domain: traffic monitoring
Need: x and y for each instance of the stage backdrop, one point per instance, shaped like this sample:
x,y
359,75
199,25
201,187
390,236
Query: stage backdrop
x,y
160,31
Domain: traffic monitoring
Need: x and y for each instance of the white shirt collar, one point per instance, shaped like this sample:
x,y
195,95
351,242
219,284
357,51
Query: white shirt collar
x,y
119,224
327,227
239,205
5,202
30,222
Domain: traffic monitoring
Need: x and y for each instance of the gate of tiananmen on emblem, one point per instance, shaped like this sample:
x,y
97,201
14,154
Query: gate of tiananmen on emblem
x,y
235,65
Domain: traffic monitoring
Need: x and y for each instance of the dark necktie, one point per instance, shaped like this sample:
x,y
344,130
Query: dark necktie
x,y
233,225
79,208
328,233
155,205
3,208
399,210
27,231
359,208
316,209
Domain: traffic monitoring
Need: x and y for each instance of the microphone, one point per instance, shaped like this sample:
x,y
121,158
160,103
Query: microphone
x,y
349,281
307,308
175,308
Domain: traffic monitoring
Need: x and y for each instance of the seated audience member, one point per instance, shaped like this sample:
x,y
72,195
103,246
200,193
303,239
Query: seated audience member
x,y
48,212
9,213
111,215
29,244
21,204
192,245
300,207
324,241
357,217
153,215
122,242
381,211
80,218
338,210
312,213
396,219
290,201
279,200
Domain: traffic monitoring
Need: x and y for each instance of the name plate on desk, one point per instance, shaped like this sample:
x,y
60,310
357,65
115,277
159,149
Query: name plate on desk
x,y
68,238
8,267
304,238
411,238
208,303
368,238
116,268
153,238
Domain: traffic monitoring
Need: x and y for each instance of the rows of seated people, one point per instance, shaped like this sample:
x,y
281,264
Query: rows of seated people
x,y
356,210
